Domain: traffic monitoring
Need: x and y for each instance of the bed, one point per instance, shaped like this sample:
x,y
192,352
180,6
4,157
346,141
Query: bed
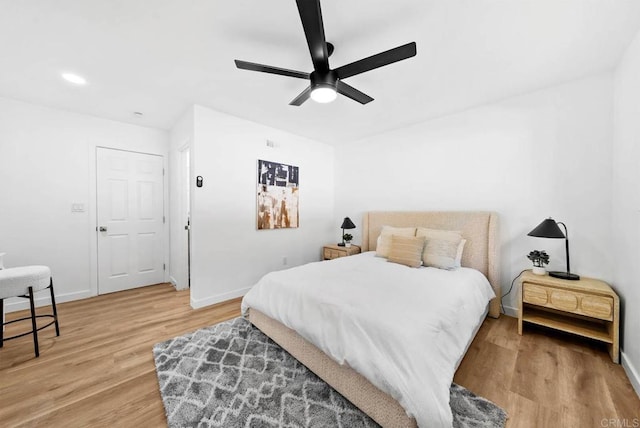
x,y
390,403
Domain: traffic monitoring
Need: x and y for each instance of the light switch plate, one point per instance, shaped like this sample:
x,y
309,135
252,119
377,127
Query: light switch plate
x,y
77,208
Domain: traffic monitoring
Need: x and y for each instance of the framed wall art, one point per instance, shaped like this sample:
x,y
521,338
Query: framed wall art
x,y
277,195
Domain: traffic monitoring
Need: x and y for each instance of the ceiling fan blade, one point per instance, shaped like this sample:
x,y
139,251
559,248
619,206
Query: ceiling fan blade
x,y
311,17
252,66
304,96
353,93
376,61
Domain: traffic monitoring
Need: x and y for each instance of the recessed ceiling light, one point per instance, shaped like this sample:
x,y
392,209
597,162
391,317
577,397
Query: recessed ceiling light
x,y
74,78
138,113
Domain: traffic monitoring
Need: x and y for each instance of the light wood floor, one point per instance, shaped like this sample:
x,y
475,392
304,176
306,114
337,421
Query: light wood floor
x,y
100,371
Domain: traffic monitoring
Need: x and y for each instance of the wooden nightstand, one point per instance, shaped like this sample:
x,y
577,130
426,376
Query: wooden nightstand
x,y
330,252
587,307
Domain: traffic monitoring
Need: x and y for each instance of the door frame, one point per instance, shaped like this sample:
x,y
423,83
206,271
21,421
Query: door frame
x,y
185,172
92,211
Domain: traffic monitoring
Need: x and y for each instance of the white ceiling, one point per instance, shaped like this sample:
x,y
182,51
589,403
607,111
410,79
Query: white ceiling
x,y
161,56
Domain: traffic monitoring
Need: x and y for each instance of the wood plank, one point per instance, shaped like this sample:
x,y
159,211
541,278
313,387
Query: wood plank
x,y
557,376
501,333
619,389
131,401
484,361
525,413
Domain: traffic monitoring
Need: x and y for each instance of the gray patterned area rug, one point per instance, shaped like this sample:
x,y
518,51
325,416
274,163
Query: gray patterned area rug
x,y
233,375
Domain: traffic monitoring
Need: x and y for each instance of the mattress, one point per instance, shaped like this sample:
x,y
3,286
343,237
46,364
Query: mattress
x,y
405,330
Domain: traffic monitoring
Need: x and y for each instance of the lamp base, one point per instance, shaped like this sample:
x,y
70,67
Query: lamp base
x,y
341,244
565,275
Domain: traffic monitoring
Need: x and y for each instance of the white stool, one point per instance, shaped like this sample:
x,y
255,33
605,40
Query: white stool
x,y
24,282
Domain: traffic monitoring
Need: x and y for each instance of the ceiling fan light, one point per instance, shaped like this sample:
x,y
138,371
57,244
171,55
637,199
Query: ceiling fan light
x,y
323,94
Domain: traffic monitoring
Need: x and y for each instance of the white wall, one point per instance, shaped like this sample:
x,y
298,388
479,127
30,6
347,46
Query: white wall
x,y
547,153
47,162
626,203
181,135
228,253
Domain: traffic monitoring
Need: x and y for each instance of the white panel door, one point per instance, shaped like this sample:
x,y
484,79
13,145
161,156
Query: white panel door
x,y
130,220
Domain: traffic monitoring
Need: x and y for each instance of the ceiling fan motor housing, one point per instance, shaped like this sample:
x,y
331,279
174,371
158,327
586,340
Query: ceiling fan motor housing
x,y
328,79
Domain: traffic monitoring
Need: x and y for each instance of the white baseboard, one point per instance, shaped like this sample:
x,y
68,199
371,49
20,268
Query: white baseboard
x,y
174,282
218,298
43,298
512,312
631,371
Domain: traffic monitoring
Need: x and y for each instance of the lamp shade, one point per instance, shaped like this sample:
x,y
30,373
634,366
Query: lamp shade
x,y
547,229
347,224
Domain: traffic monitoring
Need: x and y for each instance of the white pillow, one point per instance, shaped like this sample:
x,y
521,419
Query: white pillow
x,y
441,247
458,262
383,246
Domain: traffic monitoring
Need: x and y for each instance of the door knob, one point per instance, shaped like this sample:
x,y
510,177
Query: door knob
x,y
103,229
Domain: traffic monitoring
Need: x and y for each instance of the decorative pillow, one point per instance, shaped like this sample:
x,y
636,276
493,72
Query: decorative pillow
x,y
441,248
384,240
406,250
459,253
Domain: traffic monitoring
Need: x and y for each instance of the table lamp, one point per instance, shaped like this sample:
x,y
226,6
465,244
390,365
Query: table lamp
x,y
549,229
346,224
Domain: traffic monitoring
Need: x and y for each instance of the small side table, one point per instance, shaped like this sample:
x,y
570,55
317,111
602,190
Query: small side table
x,y
330,252
588,307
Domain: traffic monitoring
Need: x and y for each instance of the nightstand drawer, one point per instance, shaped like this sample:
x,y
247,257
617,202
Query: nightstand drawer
x,y
330,253
590,305
534,294
597,307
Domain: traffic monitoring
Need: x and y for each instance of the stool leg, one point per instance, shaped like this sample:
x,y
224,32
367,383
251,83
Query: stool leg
x,y
33,322
2,326
53,304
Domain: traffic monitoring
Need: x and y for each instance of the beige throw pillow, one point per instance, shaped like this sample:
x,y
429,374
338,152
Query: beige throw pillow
x,y
384,240
441,247
406,250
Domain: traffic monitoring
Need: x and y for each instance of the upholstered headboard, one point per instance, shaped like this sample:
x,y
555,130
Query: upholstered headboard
x,y
479,228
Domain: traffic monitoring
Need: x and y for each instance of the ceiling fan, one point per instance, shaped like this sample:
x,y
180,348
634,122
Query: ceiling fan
x,y
325,82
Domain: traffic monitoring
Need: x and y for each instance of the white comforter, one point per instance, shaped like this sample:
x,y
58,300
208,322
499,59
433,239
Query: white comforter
x,y
403,329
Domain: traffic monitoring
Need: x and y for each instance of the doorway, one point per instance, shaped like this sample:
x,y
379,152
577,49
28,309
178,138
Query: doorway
x,y
130,218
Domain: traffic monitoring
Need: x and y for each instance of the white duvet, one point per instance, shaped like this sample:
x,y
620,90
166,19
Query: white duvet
x,y
403,329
